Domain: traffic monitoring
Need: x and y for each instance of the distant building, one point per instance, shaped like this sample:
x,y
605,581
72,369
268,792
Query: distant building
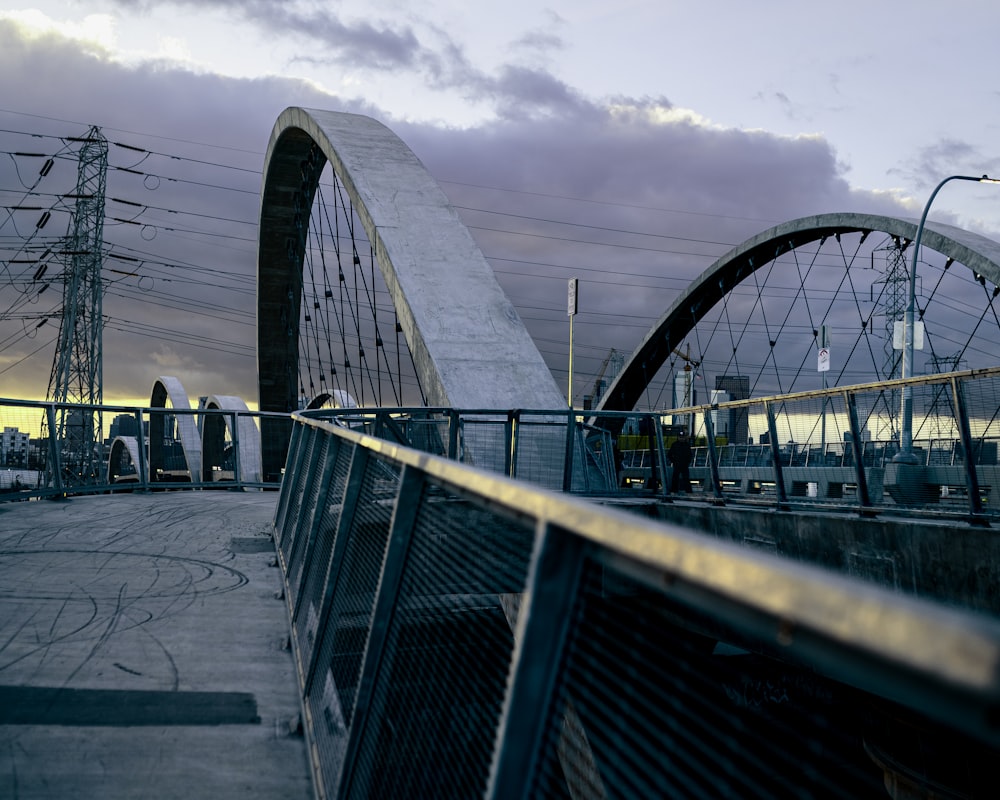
x,y
124,425
14,448
684,396
737,387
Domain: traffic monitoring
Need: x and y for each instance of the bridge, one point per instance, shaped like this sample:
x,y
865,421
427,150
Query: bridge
x,y
814,619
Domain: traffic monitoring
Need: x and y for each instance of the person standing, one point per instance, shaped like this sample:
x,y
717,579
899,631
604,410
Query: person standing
x,y
679,455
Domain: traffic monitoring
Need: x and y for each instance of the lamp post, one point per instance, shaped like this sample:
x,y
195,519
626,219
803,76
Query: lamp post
x,y
906,454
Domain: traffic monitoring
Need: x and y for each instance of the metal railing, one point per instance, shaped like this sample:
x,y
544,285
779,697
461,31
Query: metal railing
x,y
460,634
831,447
55,449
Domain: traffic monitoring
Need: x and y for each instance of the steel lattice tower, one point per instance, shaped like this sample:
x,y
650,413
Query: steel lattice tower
x,y
893,305
77,368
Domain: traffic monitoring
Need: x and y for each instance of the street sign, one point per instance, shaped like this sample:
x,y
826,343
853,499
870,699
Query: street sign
x,y
572,303
918,335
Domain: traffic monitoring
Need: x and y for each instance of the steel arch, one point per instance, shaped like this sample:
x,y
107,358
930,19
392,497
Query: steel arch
x,y
976,252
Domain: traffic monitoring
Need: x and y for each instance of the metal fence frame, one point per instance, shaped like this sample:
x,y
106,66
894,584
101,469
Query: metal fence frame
x,y
226,425
941,662
584,455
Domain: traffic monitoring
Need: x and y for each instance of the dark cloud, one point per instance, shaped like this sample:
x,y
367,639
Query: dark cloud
x,y
515,91
364,44
624,194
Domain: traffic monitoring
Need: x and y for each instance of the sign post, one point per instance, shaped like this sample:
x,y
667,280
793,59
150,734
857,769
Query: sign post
x,y
823,365
572,305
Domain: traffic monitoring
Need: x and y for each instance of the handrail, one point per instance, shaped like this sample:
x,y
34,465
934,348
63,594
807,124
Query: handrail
x,y
510,626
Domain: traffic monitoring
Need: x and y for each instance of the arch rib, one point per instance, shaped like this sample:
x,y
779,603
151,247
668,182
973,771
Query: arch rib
x,y
213,438
169,388
469,346
976,252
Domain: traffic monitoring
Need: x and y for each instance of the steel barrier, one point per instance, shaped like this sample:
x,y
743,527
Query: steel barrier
x,y
460,634
55,449
832,448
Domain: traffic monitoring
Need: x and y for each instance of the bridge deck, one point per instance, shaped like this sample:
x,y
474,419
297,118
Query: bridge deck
x,y
142,650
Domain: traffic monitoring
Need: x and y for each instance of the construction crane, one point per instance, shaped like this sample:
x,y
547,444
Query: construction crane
x,y
690,362
687,394
616,360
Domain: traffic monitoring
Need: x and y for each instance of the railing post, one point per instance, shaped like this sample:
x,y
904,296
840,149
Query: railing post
x,y
55,467
316,521
654,443
857,447
297,553
965,432
567,483
360,457
284,493
237,466
143,464
366,702
772,435
510,443
453,423
713,455
552,588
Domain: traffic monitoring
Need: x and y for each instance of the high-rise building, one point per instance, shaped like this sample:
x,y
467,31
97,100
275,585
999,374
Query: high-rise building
x,y
738,388
124,425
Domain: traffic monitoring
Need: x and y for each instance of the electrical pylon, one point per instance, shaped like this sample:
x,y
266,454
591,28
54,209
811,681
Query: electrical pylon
x,y
77,367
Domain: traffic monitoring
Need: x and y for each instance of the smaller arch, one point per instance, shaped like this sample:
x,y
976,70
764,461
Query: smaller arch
x,y
162,463
124,461
213,439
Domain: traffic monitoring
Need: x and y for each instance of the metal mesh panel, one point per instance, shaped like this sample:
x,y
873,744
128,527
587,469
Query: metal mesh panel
x,y
442,681
342,642
984,426
303,550
483,443
307,614
429,434
23,454
296,488
814,450
645,708
541,452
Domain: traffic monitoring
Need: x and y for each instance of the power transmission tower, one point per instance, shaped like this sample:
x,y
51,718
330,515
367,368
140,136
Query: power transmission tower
x,y
77,367
893,300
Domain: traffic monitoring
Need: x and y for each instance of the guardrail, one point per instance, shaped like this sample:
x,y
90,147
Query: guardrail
x,y
460,634
831,447
54,449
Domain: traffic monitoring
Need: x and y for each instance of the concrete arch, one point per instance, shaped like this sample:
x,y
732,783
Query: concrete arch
x,y
169,388
122,447
979,254
469,346
213,439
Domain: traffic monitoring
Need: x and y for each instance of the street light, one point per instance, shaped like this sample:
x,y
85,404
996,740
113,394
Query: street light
x,y
905,454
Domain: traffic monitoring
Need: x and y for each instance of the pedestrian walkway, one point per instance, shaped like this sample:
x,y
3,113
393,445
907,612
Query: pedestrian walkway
x,y
143,650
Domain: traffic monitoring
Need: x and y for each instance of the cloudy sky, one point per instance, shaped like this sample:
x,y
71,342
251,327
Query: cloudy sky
x,y
628,143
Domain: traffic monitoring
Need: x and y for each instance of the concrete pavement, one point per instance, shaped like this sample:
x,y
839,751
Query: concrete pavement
x,y
142,650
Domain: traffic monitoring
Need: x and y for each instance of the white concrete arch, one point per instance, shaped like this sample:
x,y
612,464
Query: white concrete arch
x,y
213,438
469,346
169,388
121,447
